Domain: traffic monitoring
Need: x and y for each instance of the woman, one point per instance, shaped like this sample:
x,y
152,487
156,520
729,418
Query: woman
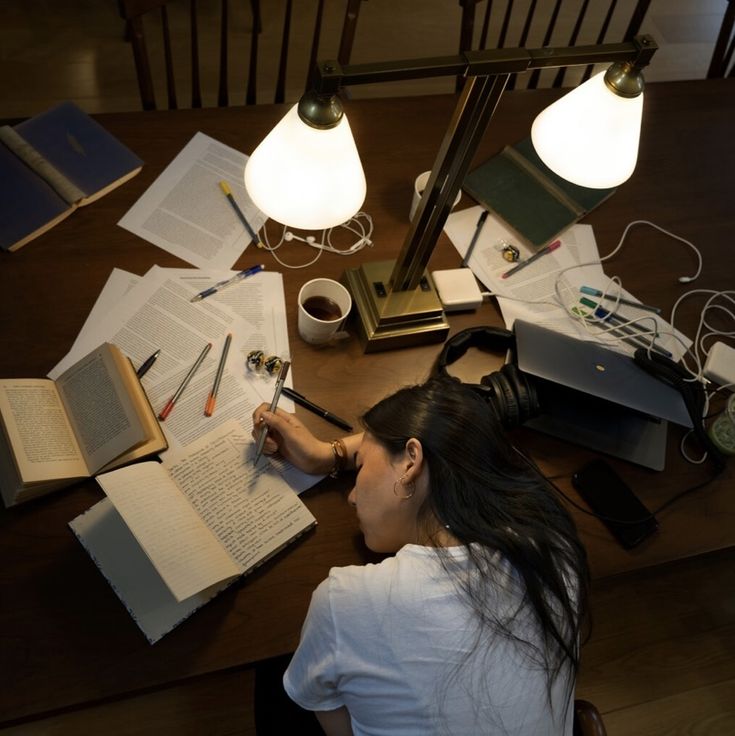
x,y
472,627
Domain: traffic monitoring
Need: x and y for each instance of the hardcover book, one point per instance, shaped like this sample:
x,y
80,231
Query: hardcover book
x,y
94,417
53,163
533,201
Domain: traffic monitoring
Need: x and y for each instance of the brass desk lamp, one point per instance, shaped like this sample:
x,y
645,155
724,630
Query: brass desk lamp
x,y
307,173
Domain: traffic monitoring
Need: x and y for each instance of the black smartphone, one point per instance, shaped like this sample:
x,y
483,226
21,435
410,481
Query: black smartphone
x,y
619,509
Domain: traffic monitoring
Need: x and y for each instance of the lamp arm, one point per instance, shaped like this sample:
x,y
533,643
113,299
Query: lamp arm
x,y
330,75
475,107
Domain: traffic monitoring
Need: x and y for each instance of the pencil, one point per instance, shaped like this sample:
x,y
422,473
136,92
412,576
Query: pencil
x,y
274,403
225,187
209,407
180,390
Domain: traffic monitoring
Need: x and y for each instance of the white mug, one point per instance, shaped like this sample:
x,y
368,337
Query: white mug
x,y
418,189
323,308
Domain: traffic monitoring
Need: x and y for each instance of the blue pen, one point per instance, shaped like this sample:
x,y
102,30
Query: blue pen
x,y
222,284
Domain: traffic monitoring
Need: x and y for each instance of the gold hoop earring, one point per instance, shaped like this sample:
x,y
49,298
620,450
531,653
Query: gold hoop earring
x,y
409,487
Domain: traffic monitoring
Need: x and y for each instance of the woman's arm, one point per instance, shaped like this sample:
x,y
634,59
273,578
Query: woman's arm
x,y
287,435
335,722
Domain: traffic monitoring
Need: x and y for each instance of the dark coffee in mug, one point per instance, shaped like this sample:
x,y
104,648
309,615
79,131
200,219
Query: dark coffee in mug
x,y
322,307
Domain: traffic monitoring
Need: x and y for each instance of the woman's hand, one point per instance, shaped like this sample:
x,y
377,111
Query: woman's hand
x,y
293,440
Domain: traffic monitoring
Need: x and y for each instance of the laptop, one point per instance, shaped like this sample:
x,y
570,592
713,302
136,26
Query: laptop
x,y
596,397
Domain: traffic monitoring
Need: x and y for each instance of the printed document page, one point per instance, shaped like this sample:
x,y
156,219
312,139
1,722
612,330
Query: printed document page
x,y
158,314
186,213
546,291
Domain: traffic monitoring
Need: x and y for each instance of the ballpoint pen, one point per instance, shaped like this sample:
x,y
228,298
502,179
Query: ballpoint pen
x,y
212,398
146,364
590,291
276,395
180,390
225,187
475,236
312,407
222,284
550,248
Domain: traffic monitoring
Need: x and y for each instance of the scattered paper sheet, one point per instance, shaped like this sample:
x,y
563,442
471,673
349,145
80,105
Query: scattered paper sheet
x,y
546,291
186,213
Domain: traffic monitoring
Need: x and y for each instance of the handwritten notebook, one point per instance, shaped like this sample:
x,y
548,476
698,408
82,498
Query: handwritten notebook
x,y
171,535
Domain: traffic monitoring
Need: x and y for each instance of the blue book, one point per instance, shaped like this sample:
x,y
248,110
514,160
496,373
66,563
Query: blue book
x,y
53,163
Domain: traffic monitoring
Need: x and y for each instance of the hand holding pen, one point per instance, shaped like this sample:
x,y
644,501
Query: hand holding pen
x,y
274,403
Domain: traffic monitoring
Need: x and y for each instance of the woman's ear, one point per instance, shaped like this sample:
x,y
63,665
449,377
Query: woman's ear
x,y
414,459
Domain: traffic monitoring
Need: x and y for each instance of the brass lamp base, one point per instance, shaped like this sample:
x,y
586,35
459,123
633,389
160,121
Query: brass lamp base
x,y
388,320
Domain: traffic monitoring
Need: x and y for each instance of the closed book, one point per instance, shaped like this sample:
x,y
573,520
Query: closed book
x,y
533,201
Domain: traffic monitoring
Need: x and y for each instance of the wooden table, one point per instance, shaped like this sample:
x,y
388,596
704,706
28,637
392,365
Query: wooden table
x,y
65,638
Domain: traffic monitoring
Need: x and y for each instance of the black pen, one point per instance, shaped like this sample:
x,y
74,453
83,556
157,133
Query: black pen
x,y
311,406
473,242
147,363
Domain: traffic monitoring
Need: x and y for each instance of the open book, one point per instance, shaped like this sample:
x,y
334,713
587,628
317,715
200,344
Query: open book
x,y
94,417
533,201
170,536
50,165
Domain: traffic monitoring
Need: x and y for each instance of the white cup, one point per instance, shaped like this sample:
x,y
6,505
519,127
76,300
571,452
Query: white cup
x,y
323,308
418,189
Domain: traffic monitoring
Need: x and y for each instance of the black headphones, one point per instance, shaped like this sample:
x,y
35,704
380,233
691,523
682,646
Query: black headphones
x,y
509,391
691,391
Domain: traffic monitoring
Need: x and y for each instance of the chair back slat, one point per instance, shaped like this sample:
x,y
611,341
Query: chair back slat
x,y
722,54
169,16
542,19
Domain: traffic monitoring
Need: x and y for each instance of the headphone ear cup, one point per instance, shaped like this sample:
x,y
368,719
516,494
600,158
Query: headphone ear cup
x,y
520,392
505,399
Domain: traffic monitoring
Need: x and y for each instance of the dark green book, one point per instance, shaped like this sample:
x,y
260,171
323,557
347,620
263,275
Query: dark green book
x,y
533,201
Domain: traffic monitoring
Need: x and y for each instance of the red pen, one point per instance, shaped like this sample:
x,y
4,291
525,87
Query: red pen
x,y
180,390
548,249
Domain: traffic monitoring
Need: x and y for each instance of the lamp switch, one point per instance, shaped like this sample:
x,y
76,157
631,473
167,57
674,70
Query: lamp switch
x,y
457,289
720,365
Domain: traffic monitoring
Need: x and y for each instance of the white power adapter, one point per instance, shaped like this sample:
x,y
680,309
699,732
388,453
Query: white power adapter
x,y
457,289
720,365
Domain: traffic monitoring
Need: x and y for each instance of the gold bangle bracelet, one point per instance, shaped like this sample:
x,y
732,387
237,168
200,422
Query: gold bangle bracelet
x,y
340,457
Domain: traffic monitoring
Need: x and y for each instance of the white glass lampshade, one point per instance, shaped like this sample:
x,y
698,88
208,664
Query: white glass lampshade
x,y
304,177
590,136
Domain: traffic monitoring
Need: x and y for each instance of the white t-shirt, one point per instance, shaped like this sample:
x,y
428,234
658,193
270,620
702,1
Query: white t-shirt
x,y
395,644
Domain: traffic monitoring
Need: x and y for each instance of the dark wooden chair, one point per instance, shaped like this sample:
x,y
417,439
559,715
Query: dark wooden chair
x,y
722,56
511,24
587,720
232,32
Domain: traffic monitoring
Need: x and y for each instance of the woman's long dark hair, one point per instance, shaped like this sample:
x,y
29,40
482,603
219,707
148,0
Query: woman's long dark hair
x,y
493,500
